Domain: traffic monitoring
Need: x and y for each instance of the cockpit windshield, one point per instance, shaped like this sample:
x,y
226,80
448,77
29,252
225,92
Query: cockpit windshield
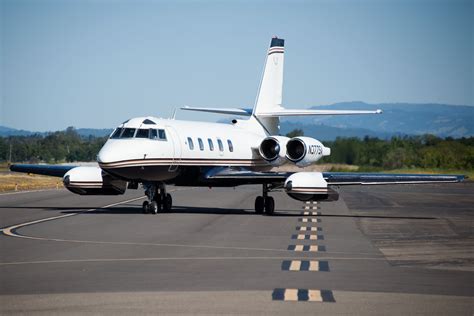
x,y
117,133
142,133
128,133
157,134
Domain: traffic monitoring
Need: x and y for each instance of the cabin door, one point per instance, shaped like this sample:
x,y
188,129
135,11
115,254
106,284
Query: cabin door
x,y
174,138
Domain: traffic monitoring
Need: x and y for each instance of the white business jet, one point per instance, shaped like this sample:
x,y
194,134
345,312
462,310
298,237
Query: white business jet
x,y
154,152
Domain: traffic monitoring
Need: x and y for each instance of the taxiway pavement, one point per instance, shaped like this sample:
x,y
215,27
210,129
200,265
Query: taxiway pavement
x,y
378,250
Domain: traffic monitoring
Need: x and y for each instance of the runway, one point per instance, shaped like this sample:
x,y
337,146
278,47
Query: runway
x,y
378,250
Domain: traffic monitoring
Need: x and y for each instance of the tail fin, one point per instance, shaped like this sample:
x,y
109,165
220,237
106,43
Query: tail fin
x,y
269,97
268,105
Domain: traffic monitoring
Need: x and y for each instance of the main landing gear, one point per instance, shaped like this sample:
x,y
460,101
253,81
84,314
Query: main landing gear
x,y
265,202
158,199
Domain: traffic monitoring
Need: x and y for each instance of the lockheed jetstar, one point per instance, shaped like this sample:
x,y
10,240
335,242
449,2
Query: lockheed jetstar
x,y
153,152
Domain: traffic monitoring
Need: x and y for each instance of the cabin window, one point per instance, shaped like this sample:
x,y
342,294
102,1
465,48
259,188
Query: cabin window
x,y
142,133
211,144
231,147
221,147
128,133
201,144
116,133
153,134
190,143
161,134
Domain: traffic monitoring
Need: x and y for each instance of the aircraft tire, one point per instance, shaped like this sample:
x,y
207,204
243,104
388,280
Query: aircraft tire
x,y
269,205
146,207
168,203
259,204
154,207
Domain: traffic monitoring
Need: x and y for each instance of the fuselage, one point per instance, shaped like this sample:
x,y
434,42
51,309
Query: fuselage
x,y
154,149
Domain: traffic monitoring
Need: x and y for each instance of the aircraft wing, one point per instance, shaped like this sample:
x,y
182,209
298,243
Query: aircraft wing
x,y
354,178
229,111
47,170
242,175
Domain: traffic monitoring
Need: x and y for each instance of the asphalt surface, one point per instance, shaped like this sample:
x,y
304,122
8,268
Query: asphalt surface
x,y
382,250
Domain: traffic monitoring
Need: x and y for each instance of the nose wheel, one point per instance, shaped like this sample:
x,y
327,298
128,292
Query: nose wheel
x,y
158,199
265,203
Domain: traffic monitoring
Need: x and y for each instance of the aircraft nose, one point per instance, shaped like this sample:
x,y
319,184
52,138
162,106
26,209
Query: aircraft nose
x,y
105,154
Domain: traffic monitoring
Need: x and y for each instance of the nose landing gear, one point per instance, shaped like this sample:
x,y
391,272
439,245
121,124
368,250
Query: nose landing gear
x,y
265,202
158,199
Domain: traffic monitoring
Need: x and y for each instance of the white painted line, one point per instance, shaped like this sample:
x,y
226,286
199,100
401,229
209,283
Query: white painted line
x,y
9,230
177,259
33,191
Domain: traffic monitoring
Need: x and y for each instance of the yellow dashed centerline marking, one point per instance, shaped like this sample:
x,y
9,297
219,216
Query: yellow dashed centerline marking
x,y
310,220
305,265
307,237
295,265
309,248
305,295
307,213
314,296
309,228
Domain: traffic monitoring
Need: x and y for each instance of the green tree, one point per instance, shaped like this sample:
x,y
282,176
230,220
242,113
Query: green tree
x,y
294,133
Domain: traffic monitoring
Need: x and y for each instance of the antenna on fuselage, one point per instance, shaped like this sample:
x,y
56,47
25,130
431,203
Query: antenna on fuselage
x,y
174,114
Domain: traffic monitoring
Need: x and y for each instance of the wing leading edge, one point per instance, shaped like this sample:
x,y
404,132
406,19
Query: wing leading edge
x,y
353,178
47,170
332,178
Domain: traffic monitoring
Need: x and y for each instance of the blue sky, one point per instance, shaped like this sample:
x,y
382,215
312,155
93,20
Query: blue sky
x,y
96,63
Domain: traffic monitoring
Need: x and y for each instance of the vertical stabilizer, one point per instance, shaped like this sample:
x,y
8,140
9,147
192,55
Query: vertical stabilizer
x,y
269,96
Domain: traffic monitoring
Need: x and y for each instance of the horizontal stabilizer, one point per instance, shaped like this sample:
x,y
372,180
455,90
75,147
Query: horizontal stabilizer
x,y
280,112
291,112
229,111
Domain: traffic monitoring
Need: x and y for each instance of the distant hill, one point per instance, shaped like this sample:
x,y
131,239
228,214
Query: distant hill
x,y
325,132
397,119
7,131
84,132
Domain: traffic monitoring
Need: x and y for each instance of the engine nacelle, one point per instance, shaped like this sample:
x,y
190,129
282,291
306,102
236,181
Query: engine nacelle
x,y
304,151
91,181
309,186
273,150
